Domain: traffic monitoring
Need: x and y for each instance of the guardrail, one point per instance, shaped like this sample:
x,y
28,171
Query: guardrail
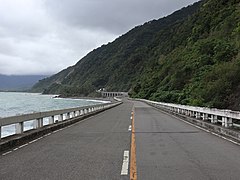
x,y
52,116
117,99
226,118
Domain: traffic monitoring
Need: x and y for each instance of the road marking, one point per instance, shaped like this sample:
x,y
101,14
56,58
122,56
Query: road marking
x,y
125,163
213,133
48,134
56,131
133,164
130,128
4,154
234,142
39,138
33,141
71,125
194,125
23,145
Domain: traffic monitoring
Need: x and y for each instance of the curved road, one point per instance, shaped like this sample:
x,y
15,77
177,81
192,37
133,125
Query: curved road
x,y
166,148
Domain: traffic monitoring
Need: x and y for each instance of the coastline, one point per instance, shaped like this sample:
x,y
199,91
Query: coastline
x,y
97,99
15,103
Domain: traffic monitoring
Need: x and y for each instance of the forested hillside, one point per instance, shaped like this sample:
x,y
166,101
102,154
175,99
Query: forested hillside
x,y
115,66
190,57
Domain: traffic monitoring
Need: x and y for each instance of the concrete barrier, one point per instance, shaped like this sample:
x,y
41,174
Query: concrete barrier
x,y
72,116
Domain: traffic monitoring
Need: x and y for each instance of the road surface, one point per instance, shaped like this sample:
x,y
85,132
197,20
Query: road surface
x,y
166,148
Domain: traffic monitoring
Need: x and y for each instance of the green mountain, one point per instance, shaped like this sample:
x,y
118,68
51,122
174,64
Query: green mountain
x,y
190,57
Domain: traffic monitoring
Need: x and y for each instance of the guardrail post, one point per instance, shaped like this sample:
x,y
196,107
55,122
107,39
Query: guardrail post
x,y
183,111
0,132
39,123
226,122
19,128
60,117
51,119
230,122
214,119
198,115
77,113
81,112
192,114
178,110
68,115
205,116
73,114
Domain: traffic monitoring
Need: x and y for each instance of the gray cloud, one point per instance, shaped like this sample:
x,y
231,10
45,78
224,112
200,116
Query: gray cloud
x,y
115,16
46,36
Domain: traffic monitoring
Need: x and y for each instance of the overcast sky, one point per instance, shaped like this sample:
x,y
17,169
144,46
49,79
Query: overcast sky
x,y
46,36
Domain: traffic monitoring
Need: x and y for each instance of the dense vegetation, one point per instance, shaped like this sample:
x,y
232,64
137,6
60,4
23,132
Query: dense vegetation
x,y
190,57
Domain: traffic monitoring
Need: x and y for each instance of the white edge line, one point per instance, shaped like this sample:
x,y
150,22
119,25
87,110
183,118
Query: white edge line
x,y
124,170
39,138
56,131
234,142
47,134
33,141
23,145
4,154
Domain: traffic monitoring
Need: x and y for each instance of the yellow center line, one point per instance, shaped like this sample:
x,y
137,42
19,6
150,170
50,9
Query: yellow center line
x,y
133,164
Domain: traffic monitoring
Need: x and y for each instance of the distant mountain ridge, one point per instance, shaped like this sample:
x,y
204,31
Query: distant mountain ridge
x,y
18,82
189,57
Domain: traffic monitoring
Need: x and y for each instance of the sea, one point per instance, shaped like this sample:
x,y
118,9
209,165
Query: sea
x,y
15,103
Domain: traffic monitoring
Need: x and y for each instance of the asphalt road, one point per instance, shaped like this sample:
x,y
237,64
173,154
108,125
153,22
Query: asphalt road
x,y
90,150
166,148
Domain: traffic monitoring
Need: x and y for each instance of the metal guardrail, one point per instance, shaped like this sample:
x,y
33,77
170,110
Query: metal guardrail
x,y
227,118
53,116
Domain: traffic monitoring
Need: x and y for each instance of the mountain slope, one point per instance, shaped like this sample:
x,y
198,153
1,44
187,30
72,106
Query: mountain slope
x,y
203,66
114,66
190,57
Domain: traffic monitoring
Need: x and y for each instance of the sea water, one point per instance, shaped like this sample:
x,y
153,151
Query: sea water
x,y
13,103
